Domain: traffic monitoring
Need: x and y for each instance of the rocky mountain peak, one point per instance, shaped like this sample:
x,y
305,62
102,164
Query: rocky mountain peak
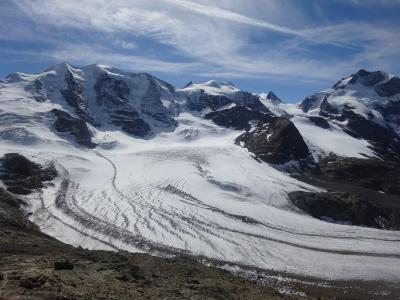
x,y
188,84
272,97
369,78
63,66
213,83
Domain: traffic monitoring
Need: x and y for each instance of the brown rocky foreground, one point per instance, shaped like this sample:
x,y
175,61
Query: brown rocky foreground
x,y
36,266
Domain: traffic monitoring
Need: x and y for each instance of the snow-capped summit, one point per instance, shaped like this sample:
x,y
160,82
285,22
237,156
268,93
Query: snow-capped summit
x,y
272,97
366,104
102,96
277,106
362,91
211,87
213,95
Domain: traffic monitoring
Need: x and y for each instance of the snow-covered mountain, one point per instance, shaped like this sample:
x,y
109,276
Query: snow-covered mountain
x,y
364,105
213,95
143,166
104,97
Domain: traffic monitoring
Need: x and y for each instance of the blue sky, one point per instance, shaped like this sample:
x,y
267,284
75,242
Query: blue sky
x,y
293,47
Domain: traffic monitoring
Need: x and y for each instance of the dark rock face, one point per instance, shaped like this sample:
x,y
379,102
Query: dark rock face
x,y
63,265
111,91
273,97
309,102
10,213
346,209
367,129
277,142
152,105
251,101
130,122
384,140
374,174
21,176
37,90
215,102
76,127
319,121
327,110
368,78
391,113
112,96
389,88
392,109
73,95
237,117
211,101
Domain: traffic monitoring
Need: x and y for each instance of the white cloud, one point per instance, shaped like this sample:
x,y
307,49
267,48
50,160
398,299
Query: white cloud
x,y
212,34
213,11
124,44
372,2
86,54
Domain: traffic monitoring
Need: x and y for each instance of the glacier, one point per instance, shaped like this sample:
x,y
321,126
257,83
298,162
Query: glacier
x,y
184,188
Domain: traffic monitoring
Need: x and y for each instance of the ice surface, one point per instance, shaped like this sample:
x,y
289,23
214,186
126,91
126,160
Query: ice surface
x,y
333,140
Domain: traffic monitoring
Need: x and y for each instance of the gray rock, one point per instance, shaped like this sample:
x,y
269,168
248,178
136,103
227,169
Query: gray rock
x,y
76,127
368,78
276,142
389,88
238,117
345,208
206,100
112,97
22,176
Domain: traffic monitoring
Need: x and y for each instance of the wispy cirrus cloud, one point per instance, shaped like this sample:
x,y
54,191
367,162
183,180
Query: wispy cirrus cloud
x,y
251,39
216,12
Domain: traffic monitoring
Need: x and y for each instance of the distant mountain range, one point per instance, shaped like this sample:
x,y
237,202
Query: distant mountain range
x,y
211,170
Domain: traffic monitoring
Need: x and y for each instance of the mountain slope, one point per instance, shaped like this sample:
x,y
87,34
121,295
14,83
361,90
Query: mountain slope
x,y
139,104
365,106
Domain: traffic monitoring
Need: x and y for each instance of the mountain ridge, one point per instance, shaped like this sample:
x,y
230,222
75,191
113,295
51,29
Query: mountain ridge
x,y
145,167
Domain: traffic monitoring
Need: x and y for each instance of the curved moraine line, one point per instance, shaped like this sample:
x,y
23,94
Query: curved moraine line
x,y
66,202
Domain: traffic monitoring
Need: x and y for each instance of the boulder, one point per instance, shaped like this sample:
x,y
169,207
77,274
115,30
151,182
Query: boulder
x,y
63,265
32,281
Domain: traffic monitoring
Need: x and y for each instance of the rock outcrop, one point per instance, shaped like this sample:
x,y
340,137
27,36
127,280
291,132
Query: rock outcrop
x,y
375,174
205,100
22,176
346,208
65,123
238,117
276,142
73,95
